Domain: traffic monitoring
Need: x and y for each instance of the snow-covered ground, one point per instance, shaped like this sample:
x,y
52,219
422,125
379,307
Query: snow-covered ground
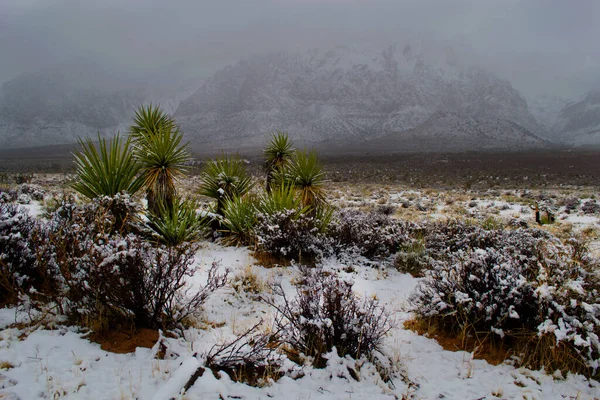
x,y
62,363
36,362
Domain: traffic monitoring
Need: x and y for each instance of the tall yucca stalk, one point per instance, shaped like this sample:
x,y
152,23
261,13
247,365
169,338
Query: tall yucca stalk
x,y
158,148
106,170
277,154
225,178
305,174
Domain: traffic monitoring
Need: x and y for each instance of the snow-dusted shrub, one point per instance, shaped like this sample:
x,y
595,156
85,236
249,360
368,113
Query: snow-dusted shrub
x,y
571,204
326,314
17,256
126,278
591,207
484,288
250,358
368,234
517,283
291,235
8,196
36,192
96,272
443,239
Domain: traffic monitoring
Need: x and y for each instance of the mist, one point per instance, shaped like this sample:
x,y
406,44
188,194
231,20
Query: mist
x,y
540,45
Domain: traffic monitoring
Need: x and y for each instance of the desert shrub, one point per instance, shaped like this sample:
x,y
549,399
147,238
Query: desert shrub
x,y
491,223
517,284
291,235
326,314
368,234
285,228
590,207
51,204
443,239
23,177
93,272
17,256
250,358
36,192
8,195
411,257
571,204
127,279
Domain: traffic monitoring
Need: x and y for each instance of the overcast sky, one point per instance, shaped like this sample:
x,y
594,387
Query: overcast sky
x,y
540,45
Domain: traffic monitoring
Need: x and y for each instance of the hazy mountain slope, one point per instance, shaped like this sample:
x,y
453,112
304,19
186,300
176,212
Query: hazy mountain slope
x,y
55,107
579,122
349,94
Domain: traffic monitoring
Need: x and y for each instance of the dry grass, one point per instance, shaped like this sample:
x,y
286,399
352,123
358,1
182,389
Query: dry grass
x,y
6,365
535,351
269,260
481,345
248,281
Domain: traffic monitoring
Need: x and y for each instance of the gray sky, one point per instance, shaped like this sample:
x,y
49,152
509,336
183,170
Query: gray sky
x,y
540,45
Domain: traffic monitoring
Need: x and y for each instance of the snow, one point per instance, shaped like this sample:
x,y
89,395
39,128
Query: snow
x,y
62,363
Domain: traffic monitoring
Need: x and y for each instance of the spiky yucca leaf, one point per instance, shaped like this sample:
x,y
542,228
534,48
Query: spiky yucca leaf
x,y
277,154
281,198
107,170
305,174
323,217
176,223
240,219
148,121
225,178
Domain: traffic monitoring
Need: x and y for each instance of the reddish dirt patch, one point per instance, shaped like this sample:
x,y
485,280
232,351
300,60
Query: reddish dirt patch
x,y
117,341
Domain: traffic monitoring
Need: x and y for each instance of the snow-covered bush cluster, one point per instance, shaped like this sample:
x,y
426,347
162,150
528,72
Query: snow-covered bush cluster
x,y
510,282
17,257
591,207
23,194
326,314
374,235
371,234
92,263
292,235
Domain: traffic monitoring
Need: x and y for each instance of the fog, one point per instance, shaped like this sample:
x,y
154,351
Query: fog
x,y
539,45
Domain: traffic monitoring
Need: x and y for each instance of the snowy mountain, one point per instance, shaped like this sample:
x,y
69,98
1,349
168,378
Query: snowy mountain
x,y
546,109
58,107
349,95
579,122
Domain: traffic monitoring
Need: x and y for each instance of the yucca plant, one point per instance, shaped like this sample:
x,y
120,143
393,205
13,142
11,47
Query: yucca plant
x,y
158,148
277,154
176,222
225,178
148,121
281,198
323,216
305,174
107,170
240,219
